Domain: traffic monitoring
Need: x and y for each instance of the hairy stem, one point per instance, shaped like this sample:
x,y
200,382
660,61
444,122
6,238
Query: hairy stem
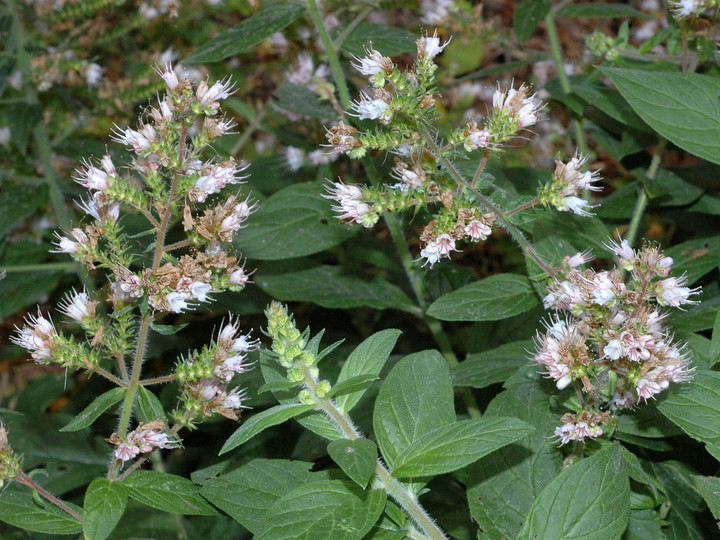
x,y
406,499
158,380
109,376
29,482
331,51
641,202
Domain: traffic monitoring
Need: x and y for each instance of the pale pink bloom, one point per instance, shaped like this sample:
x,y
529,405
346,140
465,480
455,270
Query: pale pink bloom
x,y
603,289
408,176
350,198
37,336
624,252
208,389
647,389
372,64
622,400
125,452
92,177
663,266
65,245
477,230
165,109
433,47
234,399
239,277
580,258
671,292
177,301
132,285
199,290
220,90
75,305
480,139
565,433
133,138
168,75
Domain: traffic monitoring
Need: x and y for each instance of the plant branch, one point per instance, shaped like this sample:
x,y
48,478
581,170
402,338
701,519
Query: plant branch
x,y
158,380
24,479
641,202
109,376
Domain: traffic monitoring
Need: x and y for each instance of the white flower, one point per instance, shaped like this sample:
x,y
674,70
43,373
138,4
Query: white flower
x,y
220,90
685,8
671,292
294,157
372,64
477,230
75,305
371,109
580,258
578,205
168,75
613,349
646,389
132,285
130,137
239,277
199,290
125,452
177,301
37,337
350,198
480,139
94,74
92,177
234,399
431,45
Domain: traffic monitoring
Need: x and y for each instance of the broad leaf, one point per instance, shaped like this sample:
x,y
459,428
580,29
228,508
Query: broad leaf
x,y
19,508
592,497
695,409
104,505
695,257
330,287
644,524
415,398
248,491
263,420
491,299
351,385
93,411
682,107
294,222
493,366
454,446
368,358
148,405
301,100
248,33
684,499
709,487
333,508
16,202
356,457
167,329
388,40
598,9
503,485
528,15
167,492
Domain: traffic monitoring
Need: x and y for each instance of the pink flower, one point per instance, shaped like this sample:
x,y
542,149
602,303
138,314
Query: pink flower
x,y
37,337
133,138
132,285
92,177
647,389
220,90
125,452
168,75
477,230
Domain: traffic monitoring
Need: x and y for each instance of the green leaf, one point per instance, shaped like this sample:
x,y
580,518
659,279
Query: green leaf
x,y
388,40
248,33
597,9
715,343
93,411
590,499
19,508
263,420
167,329
368,358
644,524
16,202
695,257
354,384
491,299
709,488
356,457
301,100
493,366
331,287
668,189
148,405
408,406
454,446
278,385
682,107
293,222
528,15
22,121
695,409
105,502
247,492
684,499
503,485
167,492
313,510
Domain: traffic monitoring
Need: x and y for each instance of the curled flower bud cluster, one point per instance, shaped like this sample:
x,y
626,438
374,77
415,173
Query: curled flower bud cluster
x,y
567,183
609,337
204,375
144,438
290,348
10,464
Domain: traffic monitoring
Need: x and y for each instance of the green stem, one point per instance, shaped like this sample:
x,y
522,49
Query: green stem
x,y
406,499
42,267
489,206
331,51
360,17
109,376
564,81
642,199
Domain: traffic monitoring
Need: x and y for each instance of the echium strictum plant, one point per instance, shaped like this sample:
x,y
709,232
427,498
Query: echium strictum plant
x,y
198,205
401,102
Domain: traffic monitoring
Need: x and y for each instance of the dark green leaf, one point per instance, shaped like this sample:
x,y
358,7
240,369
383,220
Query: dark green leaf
x,y
330,287
568,508
494,366
682,107
695,409
263,420
294,222
247,492
491,299
18,508
684,500
313,510
148,405
356,457
454,446
695,257
407,407
388,40
354,384
105,502
709,487
22,122
644,524
248,33
668,189
278,385
598,9
16,202
167,329
300,100
368,358
167,492
528,15
93,411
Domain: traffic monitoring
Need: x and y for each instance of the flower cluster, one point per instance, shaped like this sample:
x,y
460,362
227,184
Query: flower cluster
x,y
204,375
612,344
144,438
10,464
567,183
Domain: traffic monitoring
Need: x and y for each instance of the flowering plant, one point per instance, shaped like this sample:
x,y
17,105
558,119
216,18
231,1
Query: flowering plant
x,y
484,273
